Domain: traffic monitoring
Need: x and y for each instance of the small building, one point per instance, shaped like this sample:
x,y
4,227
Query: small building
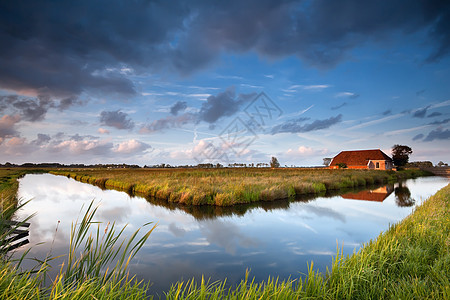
x,y
363,159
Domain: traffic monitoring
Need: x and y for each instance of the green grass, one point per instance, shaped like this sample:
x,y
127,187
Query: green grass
x,y
231,186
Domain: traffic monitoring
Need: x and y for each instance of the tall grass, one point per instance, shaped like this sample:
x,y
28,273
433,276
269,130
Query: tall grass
x,y
95,268
225,187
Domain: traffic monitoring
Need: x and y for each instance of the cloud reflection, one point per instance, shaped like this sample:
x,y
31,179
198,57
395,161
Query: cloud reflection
x,y
226,235
176,231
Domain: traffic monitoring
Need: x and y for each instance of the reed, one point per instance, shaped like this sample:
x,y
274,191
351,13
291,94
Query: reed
x,y
95,268
225,187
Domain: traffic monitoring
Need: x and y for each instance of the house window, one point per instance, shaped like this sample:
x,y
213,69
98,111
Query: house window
x,y
377,165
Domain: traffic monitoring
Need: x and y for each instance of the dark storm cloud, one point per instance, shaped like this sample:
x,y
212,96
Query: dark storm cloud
x,y
339,106
420,113
78,137
34,108
438,134
42,139
78,123
68,102
30,109
58,135
63,49
177,107
68,48
321,33
420,93
7,126
435,114
295,126
168,123
418,137
445,121
116,119
222,105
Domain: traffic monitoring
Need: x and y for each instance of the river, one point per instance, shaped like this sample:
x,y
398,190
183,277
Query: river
x,y
269,239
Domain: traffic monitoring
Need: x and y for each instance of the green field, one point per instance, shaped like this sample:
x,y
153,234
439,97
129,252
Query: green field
x,y
229,186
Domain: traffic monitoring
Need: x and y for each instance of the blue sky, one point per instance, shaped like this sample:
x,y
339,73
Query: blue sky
x,y
179,82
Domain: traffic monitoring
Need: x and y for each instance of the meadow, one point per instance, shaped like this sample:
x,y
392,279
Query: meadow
x,y
408,261
230,186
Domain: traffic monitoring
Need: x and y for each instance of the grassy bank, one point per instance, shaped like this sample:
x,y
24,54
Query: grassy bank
x,y
224,187
9,186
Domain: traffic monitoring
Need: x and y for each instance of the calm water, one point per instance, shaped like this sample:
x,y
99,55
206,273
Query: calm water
x,y
277,239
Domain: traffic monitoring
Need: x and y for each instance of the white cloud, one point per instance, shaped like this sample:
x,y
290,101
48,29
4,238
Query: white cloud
x,y
131,147
374,122
103,131
304,151
92,147
300,151
317,87
313,87
346,95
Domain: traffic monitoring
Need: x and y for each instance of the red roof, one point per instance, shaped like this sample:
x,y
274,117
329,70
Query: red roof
x,y
359,157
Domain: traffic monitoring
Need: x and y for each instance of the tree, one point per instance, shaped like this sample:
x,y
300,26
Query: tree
x,y
400,154
442,164
327,161
342,165
274,162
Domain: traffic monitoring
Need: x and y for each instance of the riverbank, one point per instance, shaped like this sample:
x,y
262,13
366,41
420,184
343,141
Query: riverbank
x,y
230,186
9,185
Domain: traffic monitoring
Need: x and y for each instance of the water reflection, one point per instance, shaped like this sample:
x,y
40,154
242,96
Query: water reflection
x,y
269,238
403,196
205,212
378,194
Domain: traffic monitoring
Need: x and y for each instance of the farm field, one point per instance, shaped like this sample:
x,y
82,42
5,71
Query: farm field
x,y
229,186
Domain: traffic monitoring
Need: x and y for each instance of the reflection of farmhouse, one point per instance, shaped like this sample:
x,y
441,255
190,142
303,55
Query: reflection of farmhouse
x,y
362,159
371,195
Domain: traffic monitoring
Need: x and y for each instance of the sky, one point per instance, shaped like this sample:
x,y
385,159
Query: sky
x,y
188,82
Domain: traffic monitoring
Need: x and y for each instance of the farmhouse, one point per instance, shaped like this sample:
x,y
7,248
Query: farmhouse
x,y
363,159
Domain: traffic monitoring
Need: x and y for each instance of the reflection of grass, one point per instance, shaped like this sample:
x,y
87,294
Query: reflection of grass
x,y
409,261
225,187
95,268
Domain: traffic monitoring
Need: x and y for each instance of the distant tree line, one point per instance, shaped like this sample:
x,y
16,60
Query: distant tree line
x,y
59,165
273,164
